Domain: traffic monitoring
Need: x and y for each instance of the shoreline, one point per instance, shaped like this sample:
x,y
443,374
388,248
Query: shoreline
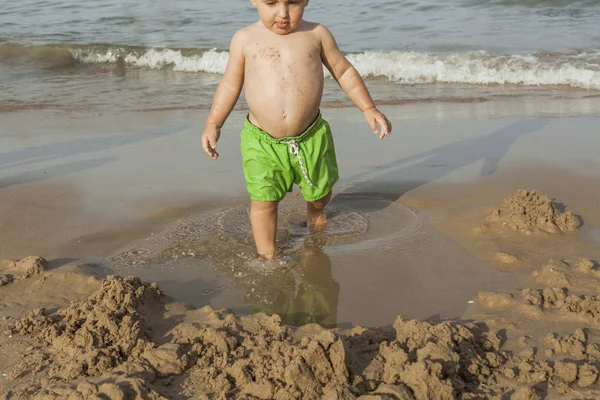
x,y
482,101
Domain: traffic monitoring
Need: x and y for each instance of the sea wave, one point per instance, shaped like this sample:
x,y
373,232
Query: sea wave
x,y
581,70
578,69
211,61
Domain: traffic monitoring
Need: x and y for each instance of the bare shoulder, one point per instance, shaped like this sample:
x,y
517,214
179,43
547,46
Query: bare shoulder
x,y
241,38
320,30
242,35
324,36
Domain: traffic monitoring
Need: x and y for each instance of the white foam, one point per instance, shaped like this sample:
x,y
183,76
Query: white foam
x,y
478,68
211,61
87,57
580,70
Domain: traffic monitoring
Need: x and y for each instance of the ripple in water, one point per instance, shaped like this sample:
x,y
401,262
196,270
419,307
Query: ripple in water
x,y
355,223
203,255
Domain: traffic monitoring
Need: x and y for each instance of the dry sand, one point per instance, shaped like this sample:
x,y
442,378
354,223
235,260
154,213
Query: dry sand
x,y
67,330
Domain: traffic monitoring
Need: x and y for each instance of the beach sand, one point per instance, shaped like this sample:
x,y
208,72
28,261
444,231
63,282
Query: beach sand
x,y
459,223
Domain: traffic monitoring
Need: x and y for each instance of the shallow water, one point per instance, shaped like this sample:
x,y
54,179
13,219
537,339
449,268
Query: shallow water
x,y
426,25
132,55
386,248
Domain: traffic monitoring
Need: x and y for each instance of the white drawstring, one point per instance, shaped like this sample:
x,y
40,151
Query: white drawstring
x,y
295,150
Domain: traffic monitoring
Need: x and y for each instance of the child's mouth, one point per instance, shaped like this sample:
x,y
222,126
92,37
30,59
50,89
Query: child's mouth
x,y
282,25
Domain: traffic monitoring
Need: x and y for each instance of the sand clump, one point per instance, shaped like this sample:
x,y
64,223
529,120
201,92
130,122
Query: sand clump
x,y
574,307
563,299
566,291
530,212
97,334
127,340
11,270
251,357
108,346
563,291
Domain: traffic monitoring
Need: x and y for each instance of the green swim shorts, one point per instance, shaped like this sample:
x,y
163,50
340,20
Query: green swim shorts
x,y
272,166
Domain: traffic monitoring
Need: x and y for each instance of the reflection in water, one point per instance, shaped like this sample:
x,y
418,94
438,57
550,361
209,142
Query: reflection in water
x,y
299,286
304,294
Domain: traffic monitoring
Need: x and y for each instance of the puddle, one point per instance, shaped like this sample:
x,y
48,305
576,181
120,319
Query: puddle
x,y
354,222
369,263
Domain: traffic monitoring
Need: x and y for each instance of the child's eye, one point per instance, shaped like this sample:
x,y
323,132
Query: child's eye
x,y
271,4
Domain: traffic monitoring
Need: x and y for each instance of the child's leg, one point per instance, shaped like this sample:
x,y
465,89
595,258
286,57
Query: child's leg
x,y
315,212
263,216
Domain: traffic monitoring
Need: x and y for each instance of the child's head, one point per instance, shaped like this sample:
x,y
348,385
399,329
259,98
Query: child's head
x,y
280,16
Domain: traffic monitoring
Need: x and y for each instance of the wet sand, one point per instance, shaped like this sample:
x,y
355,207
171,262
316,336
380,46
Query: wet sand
x,y
410,234
88,187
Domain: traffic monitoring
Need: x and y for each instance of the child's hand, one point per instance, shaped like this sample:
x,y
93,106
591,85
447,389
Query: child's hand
x,y
378,121
210,137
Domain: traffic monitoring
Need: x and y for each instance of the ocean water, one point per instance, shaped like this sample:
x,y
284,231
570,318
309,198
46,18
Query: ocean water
x,y
157,54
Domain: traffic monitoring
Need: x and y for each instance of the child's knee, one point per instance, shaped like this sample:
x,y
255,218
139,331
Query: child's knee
x,y
264,206
321,203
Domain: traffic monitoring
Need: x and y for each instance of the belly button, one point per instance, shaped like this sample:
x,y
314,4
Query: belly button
x,y
284,116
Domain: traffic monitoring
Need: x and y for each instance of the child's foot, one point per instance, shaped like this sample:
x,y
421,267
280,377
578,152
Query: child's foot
x,y
315,212
317,222
269,264
266,257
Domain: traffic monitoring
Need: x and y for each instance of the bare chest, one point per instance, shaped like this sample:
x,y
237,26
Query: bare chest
x,y
283,55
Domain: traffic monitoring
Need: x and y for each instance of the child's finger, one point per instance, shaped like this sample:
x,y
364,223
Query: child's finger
x,y
209,148
213,148
373,125
386,127
205,145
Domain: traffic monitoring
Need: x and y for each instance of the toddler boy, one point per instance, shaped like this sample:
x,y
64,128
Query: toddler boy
x,y
279,61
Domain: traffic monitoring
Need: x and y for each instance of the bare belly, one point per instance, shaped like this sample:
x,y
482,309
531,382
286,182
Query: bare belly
x,y
284,106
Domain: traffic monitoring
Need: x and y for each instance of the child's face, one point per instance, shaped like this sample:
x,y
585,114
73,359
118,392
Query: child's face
x,y
280,16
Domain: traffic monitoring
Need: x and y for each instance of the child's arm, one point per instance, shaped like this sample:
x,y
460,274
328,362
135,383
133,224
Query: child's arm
x,y
226,96
351,83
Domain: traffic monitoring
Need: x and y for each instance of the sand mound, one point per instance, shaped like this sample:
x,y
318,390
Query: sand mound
x,y
103,347
564,300
127,340
566,293
11,271
97,334
254,357
529,212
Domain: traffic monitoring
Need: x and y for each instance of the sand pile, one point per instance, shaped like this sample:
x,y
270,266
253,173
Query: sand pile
x,y
563,300
250,357
529,212
111,346
565,293
11,270
97,334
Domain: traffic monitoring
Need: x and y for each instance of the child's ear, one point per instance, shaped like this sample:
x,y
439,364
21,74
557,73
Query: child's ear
x,y
253,2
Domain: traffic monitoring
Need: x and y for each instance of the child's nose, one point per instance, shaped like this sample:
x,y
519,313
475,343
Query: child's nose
x,y
283,11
